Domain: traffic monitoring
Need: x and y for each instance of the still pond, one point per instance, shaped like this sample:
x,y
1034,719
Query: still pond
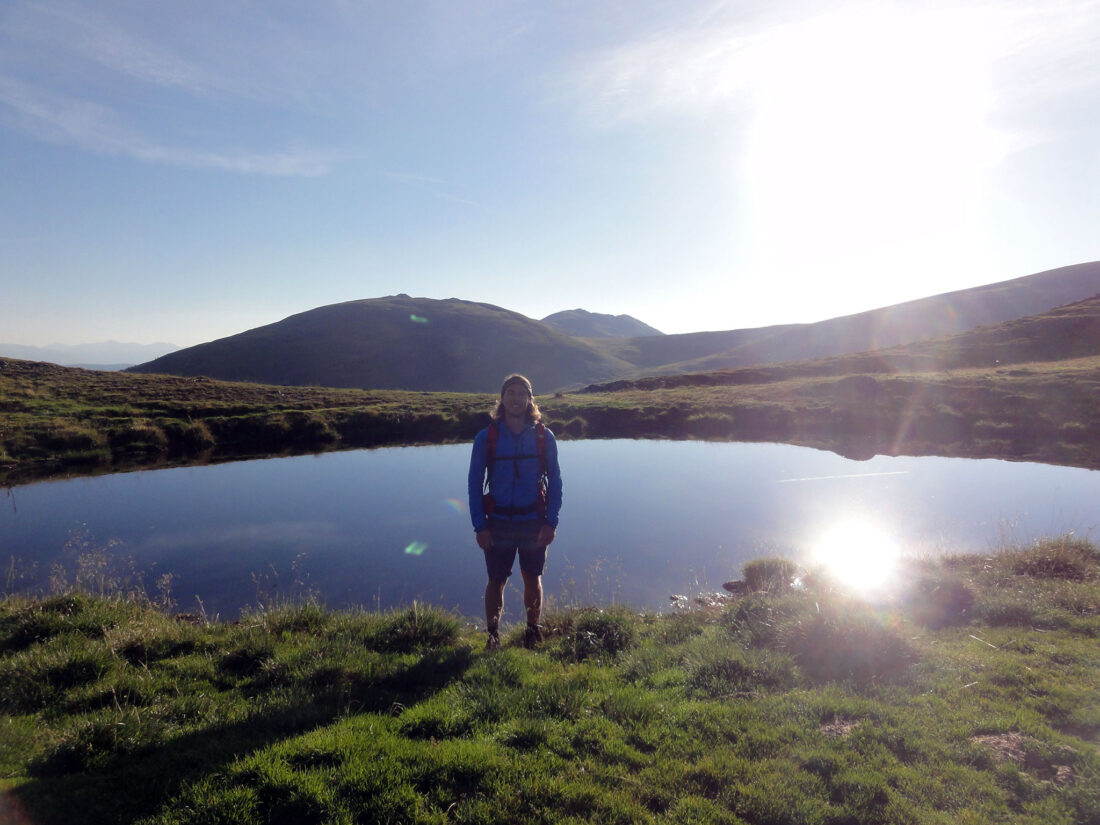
x,y
641,521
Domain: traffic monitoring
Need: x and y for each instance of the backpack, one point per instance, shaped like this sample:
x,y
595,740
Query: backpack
x,y
540,505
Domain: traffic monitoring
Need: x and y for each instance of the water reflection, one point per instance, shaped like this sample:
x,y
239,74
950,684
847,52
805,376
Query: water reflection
x,y
641,520
857,555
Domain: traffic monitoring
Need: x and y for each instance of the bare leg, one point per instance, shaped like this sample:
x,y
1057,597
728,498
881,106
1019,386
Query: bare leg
x,y
532,597
494,604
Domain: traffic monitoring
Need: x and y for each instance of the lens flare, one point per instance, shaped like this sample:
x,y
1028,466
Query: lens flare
x,y
418,319
417,548
859,555
455,505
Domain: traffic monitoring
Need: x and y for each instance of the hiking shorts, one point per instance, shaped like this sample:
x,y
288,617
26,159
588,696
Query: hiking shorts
x,y
510,538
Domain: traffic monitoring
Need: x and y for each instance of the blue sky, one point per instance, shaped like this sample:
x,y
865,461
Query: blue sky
x,y
182,171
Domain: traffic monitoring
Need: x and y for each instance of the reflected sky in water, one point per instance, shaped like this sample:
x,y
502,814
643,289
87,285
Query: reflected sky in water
x,y
641,520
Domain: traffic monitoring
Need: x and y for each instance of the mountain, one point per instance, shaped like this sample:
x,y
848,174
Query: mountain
x,y
1060,334
397,343
581,323
931,317
424,344
1065,332
105,355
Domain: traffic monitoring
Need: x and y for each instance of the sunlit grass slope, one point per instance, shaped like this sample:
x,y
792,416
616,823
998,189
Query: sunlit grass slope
x,y
970,698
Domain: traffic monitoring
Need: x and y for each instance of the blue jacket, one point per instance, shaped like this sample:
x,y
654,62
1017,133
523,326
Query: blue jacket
x,y
514,477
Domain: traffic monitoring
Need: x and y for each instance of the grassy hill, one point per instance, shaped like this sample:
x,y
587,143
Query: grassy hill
x,y
395,343
932,317
460,346
1064,333
967,697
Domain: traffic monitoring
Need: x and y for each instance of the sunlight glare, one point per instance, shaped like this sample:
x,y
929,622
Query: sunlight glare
x,y
870,127
860,556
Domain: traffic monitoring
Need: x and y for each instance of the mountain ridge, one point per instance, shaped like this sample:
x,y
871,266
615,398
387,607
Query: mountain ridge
x,y
96,355
1064,333
580,323
396,342
923,318
427,344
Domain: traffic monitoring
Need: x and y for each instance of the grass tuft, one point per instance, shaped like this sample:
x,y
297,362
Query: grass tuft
x,y
742,672
940,598
769,575
415,628
247,659
848,642
1065,557
594,633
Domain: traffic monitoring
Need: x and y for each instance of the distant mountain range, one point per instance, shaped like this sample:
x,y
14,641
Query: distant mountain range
x,y
453,345
581,323
875,329
105,355
1071,331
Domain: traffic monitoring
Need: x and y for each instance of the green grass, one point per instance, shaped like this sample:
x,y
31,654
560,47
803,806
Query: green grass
x,y
969,699
56,420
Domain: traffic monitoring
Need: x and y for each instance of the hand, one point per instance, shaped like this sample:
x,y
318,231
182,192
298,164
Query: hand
x,y
485,539
546,535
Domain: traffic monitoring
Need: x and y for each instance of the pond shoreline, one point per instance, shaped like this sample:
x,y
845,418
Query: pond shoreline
x,y
646,520
58,422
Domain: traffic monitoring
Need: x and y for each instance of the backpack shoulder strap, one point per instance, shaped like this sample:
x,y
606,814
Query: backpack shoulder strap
x,y
491,436
491,443
540,445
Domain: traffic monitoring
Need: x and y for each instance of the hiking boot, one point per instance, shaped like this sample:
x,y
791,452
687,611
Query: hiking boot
x,y
532,636
493,642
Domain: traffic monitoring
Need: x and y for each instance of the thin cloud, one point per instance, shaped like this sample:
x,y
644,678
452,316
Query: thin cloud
x,y
83,33
673,73
105,80
255,89
434,186
696,64
201,53
94,127
717,61
276,164
1046,53
324,56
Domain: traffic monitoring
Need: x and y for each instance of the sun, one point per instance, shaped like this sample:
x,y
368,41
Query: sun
x,y
858,555
859,142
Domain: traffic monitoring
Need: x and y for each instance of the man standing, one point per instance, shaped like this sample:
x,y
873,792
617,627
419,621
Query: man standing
x,y
516,457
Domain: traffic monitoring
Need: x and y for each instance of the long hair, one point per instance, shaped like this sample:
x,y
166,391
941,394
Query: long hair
x,y
534,415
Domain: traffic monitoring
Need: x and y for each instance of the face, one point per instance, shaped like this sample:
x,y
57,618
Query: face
x,y
515,399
